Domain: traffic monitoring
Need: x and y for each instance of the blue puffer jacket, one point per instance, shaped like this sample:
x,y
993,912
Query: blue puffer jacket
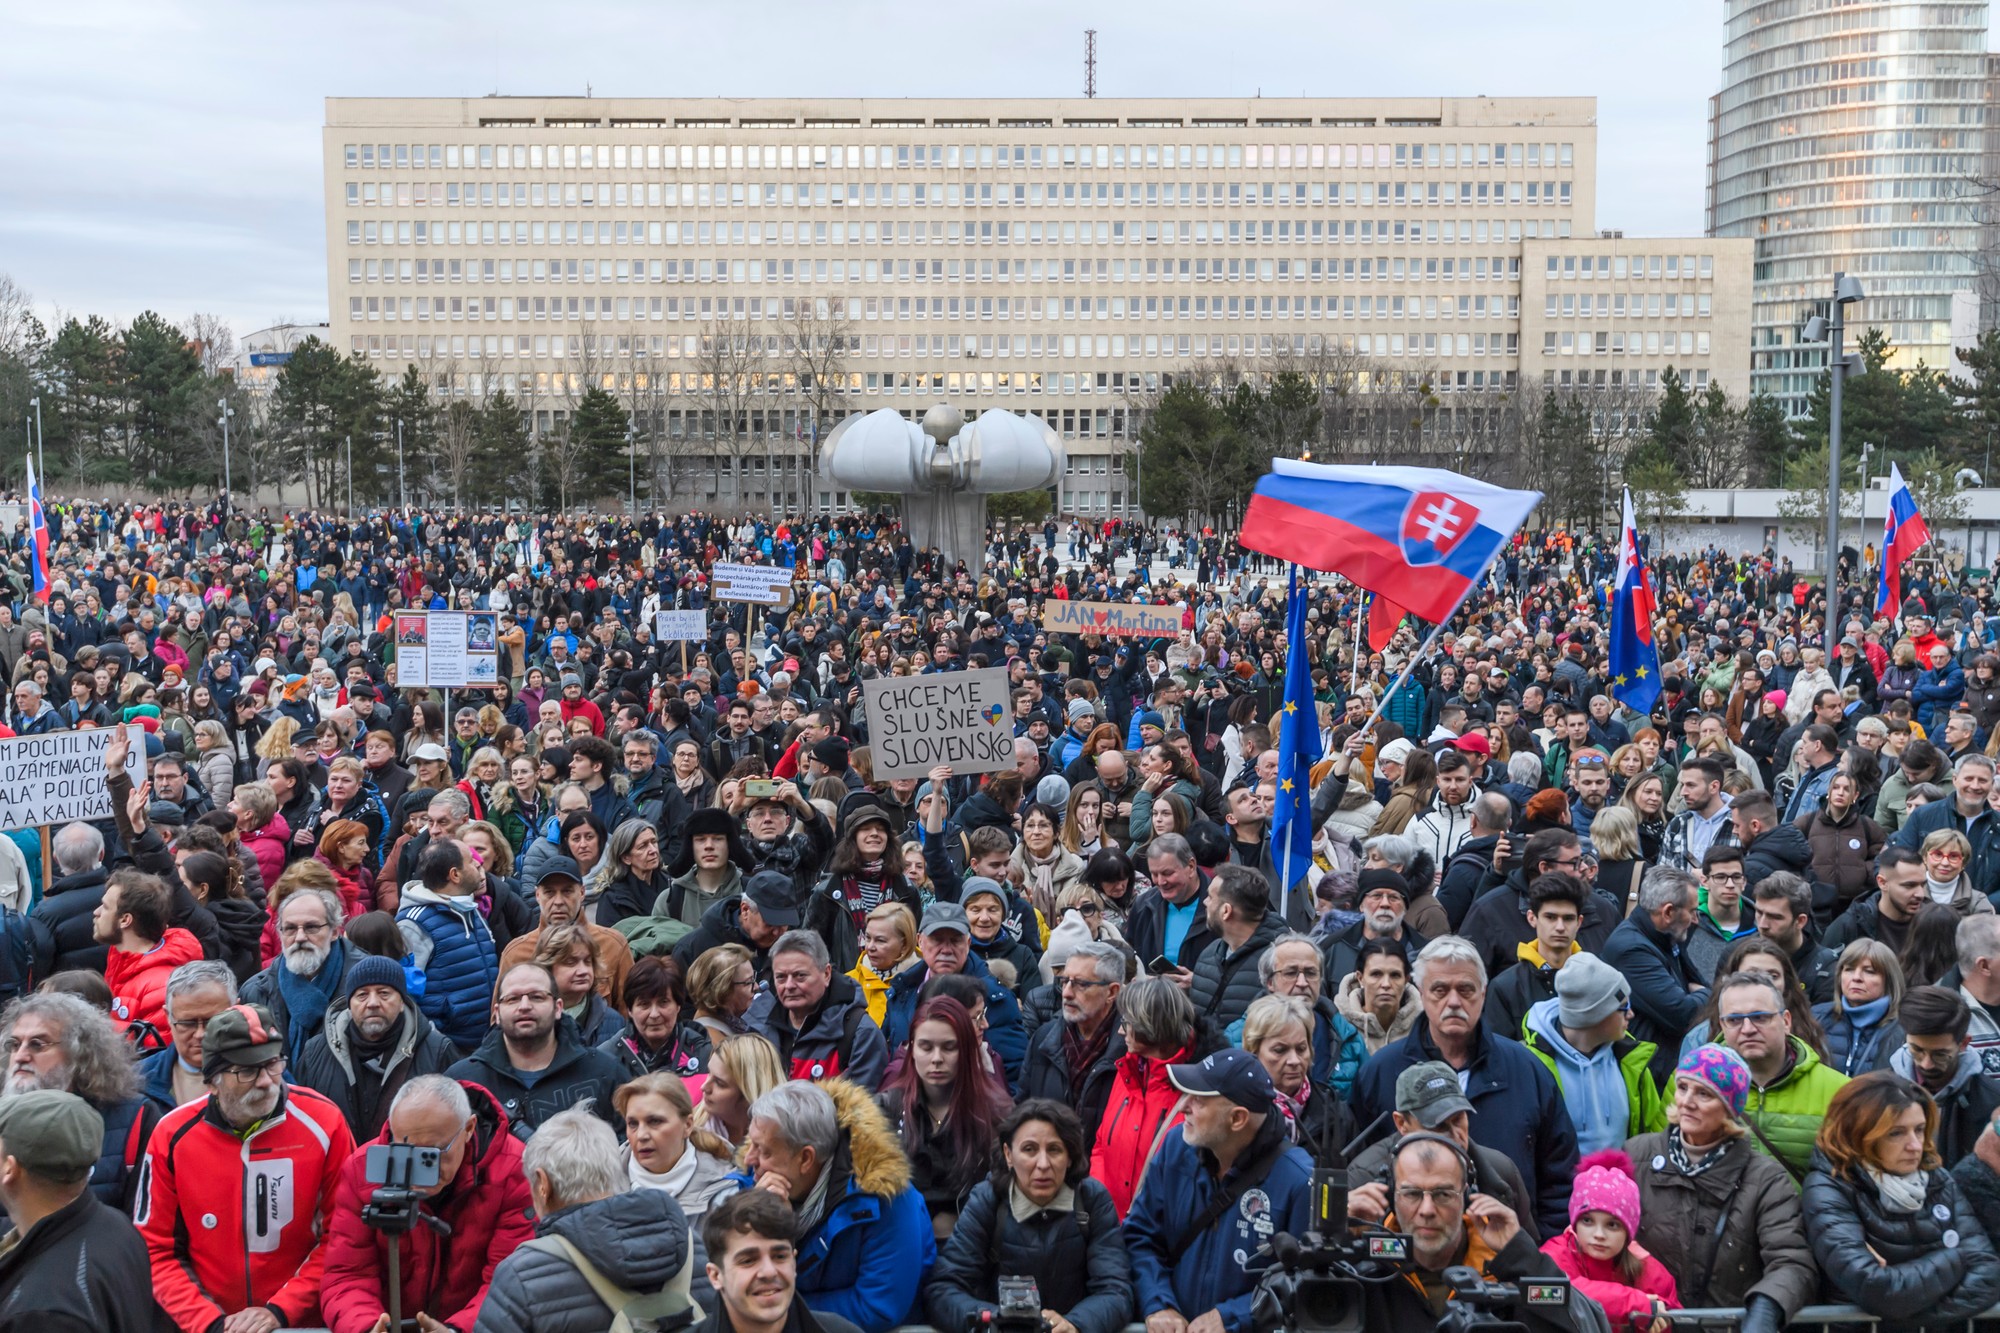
x,y
1406,708
1937,691
127,1127
1220,1268
453,948
1004,1030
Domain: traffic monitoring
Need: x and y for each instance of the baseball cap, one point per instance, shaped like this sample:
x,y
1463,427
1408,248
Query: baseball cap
x,y
430,752
944,916
1473,742
243,1034
1231,1073
775,897
558,867
52,1133
1429,1093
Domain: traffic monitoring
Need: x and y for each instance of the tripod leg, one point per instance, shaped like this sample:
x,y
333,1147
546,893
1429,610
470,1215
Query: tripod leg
x,y
395,1284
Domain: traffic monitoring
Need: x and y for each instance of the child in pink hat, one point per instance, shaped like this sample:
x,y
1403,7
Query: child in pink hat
x,y
1597,1249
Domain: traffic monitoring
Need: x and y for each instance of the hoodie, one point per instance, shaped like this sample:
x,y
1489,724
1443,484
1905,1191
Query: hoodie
x,y
1593,1088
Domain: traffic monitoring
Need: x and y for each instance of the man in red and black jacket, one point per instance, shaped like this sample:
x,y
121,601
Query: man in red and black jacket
x,y
237,1187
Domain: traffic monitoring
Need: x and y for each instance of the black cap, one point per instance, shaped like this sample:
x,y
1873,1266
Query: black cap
x,y
558,867
775,897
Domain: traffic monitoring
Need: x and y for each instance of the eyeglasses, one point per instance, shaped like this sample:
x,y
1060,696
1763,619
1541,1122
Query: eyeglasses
x,y
526,997
1568,863
248,1074
1737,1022
33,1045
1074,983
1719,877
297,930
1590,761
1442,1197
1296,973
1091,910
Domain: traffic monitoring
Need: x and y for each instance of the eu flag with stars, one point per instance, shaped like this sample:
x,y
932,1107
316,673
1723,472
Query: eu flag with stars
x,y
1635,660
1298,751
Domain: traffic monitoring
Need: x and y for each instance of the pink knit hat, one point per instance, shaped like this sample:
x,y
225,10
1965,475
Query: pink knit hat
x,y
1605,1182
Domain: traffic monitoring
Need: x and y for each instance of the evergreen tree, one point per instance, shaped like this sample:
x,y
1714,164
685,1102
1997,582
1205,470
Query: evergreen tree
x,y
1670,428
1195,460
597,436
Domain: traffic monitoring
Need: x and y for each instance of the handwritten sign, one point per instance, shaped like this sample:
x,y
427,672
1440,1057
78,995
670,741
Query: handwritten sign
x,y
766,585
684,626
1111,620
961,718
58,778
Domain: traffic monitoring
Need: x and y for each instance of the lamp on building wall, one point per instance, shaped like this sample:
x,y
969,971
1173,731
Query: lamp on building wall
x,y
945,468
1831,328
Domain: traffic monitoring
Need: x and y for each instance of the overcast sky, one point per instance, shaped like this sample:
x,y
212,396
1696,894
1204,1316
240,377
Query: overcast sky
x,y
165,154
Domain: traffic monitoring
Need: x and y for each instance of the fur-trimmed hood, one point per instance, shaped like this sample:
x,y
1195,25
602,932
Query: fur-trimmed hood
x,y
870,1152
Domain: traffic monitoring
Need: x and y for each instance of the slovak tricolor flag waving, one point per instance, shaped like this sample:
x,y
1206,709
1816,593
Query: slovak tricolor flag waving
x,y
38,530
1417,537
1635,660
1903,534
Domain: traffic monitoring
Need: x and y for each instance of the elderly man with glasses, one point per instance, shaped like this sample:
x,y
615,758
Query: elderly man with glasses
x,y
1650,948
238,1187
1074,1058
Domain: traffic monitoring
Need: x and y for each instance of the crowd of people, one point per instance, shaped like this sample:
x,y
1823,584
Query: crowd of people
x,y
705,1024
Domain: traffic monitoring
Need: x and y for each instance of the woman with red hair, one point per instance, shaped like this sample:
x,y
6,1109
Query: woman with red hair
x,y
946,1109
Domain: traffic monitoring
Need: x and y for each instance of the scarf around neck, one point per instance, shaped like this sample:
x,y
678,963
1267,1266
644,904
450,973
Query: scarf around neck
x,y
1684,1158
1900,1194
307,998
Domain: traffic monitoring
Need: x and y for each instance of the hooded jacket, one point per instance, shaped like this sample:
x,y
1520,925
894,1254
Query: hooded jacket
x,y
1789,1111
1965,1105
1348,1002
638,1240
1610,1095
138,981
452,946
328,1065
838,1039
234,1220
445,1275
1779,848
867,1257
720,925
1141,1110
577,1071
1843,852
270,845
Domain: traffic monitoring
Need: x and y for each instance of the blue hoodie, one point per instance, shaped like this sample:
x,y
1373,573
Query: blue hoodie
x,y
1593,1086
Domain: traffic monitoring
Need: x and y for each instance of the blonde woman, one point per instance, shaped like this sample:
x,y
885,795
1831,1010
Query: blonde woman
x,y
276,742
888,949
722,982
740,1071
213,764
1860,1019
664,1148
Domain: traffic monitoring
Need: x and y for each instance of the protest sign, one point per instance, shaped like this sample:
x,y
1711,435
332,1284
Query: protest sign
x,y
58,778
447,649
766,585
413,637
961,718
1112,620
669,626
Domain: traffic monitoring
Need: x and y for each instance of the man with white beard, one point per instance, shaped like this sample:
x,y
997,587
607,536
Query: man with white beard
x,y
1383,897
59,1042
310,972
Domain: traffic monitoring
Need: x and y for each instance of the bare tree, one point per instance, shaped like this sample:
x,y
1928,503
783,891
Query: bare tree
x,y
732,370
214,341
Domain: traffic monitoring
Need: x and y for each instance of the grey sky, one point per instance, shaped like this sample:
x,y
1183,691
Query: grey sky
x,y
165,154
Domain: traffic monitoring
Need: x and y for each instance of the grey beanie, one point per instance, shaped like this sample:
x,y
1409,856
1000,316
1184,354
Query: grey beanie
x,y
1589,990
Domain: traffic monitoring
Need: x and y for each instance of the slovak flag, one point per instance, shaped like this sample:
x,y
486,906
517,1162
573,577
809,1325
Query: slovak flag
x,y
1635,660
1420,537
38,535
1903,533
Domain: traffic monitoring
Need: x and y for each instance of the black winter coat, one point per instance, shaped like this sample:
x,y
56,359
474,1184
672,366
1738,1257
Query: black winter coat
x,y
240,925
639,1240
1225,980
81,1268
577,1072
331,1067
1940,1268
65,910
1146,927
1095,1294
1045,1073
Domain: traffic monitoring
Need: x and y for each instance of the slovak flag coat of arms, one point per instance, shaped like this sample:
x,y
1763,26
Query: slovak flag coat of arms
x,y
1417,537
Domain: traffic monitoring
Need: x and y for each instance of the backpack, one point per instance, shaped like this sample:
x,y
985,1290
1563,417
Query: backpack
x,y
631,1311
17,956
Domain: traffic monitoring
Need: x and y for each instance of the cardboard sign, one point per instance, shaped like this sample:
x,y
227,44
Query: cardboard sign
x,y
961,718
684,626
59,778
1111,620
766,585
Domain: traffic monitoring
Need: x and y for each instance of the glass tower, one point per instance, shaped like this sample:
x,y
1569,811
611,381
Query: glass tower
x,y
1848,137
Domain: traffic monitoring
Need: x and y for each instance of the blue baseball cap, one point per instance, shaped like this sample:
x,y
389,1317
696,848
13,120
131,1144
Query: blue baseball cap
x,y
1231,1073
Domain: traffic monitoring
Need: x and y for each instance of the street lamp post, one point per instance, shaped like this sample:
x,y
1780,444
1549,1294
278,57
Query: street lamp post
x,y
402,493
631,470
227,412
1832,329
41,463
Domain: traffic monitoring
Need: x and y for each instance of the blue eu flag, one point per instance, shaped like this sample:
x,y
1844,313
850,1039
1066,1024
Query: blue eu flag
x,y
1298,751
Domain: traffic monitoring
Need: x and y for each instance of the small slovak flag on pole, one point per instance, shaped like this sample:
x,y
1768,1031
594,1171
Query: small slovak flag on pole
x,y
1903,534
38,535
1635,660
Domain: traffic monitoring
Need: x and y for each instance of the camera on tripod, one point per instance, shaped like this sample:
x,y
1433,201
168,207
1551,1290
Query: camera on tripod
x,y
1478,1303
398,1171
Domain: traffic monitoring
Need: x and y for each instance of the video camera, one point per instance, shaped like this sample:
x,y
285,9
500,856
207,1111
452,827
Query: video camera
x,y
1017,1308
1320,1284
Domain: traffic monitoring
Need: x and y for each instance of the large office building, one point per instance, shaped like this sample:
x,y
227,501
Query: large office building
x,y
1846,138
780,264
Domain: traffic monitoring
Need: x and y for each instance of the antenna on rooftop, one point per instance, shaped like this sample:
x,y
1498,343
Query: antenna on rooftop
x,y
1090,62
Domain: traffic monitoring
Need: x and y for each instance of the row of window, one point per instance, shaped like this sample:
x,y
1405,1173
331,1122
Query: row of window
x,y
494,348
721,269
1585,379
701,157
1621,342
510,310
1254,231
869,194
1673,268
1650,304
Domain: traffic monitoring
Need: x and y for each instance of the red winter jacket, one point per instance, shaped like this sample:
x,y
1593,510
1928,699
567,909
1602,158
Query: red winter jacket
x,y
271,845
486,1205
138,981
1626,1304
234,1221
583,708
1141,1107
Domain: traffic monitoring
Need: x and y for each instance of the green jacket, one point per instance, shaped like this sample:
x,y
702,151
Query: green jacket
x,y
1788,1113
1647,1111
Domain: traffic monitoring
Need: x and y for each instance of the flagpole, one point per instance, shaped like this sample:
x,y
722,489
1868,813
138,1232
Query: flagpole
x,y
1430,639
1360,610
1285,877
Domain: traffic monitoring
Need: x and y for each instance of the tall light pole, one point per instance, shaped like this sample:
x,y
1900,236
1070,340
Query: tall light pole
x,y
402,492
1831,329
227,412
41,463
631,469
